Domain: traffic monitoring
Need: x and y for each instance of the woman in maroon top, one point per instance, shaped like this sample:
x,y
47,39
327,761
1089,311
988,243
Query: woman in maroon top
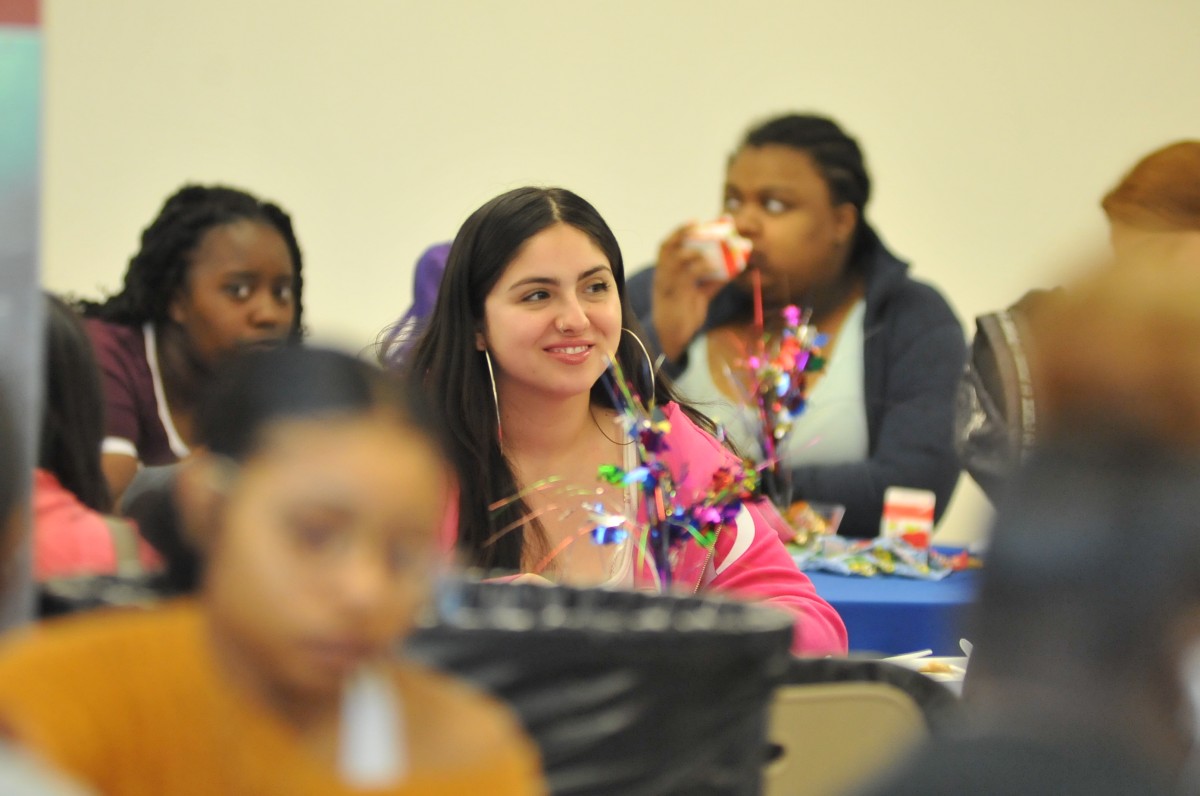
x,y
218,270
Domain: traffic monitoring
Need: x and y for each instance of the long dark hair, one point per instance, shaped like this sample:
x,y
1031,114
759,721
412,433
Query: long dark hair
x,y
455,372
73,412
158,271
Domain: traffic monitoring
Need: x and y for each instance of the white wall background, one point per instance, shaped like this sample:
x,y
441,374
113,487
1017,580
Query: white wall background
x,y
991,129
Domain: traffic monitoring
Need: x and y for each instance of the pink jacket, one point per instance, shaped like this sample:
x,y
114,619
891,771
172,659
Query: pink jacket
x,y
69,539
748,560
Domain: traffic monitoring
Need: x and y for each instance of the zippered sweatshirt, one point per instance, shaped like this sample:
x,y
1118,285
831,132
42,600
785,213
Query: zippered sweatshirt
x,y
748,560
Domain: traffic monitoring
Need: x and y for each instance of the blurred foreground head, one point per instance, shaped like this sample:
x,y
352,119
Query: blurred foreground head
x,y
317,500
1089,613
1121,348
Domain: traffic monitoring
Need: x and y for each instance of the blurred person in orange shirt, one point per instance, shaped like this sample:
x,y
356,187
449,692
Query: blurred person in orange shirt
x,y
316,499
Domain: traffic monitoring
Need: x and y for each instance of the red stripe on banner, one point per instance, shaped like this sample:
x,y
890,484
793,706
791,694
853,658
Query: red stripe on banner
x,y
20,12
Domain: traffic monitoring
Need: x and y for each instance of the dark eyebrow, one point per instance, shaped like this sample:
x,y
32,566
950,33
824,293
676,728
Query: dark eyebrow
x,y
593,271
545,280
252,275
534,280
769,190
326,502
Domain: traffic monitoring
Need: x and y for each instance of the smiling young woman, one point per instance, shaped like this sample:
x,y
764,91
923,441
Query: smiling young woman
x,y
531,309
553,320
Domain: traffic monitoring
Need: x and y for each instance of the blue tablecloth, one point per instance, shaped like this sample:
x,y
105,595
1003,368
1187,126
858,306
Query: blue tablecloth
x,y
893,615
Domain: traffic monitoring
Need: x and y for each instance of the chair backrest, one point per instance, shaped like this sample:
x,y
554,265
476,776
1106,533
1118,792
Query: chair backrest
x,y
834,736
940,706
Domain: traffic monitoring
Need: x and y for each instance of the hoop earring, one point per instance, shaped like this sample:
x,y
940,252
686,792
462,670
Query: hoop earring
x,y
650,367
487,357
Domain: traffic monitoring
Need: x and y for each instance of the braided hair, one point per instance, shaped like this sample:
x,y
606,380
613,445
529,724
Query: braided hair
x,y
158,271
836,155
